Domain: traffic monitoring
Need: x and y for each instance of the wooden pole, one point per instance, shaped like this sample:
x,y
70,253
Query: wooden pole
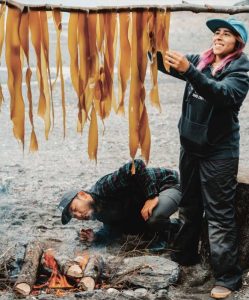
x,y
231,10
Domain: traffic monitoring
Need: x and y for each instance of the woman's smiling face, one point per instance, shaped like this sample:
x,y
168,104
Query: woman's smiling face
x,y
224,41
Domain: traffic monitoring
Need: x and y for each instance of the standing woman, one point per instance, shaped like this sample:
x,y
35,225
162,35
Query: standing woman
x,y
216,86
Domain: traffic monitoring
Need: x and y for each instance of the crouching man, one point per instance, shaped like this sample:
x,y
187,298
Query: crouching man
x,y
126,203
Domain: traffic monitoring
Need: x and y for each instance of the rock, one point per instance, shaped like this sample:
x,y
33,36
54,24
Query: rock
x,y
162,295
128,293
150,272
140,292
112,291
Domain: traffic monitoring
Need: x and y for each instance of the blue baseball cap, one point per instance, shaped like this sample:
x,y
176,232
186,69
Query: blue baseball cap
x,y
236,26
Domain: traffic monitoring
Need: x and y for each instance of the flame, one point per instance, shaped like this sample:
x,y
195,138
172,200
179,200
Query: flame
x,y
56,280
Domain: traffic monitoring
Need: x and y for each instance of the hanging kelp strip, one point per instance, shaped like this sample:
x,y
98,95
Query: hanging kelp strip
x,y
2,31
92,42
14,67
24,40
40,40
124,58
110,39
138,125
58,28
158,35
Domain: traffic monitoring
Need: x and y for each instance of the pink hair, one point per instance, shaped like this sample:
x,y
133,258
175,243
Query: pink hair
x,y
208,57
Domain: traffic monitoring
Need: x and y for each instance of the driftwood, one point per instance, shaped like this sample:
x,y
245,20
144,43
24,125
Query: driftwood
x,y
70,267
120,8
28,274
242,219
92,273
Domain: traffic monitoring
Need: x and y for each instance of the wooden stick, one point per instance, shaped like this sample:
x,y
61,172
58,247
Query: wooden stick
x,y
28,274
173,8
92,273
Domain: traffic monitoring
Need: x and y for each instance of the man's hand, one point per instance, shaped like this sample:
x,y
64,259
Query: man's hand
x,y
148,207
87,235
177,61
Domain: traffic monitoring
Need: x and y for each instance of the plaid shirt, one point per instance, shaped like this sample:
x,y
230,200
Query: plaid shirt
x,y
119,194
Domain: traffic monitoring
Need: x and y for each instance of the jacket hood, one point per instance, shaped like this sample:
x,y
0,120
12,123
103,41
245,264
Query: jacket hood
x,y
240,64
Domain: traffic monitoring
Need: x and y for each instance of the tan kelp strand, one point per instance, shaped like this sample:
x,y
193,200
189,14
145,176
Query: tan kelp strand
x,y
135,87
84,70
155,29
24,40
40,40
46,70
2,32
124,58
13,62
58,27
92,45
110,22
93,136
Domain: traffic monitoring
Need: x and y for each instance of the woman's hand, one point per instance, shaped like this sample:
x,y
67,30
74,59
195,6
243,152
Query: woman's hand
x,y
148,207
177,61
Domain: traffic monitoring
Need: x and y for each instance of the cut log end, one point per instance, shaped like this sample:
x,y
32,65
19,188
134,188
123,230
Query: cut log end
x,y
87,284
75,271
23,289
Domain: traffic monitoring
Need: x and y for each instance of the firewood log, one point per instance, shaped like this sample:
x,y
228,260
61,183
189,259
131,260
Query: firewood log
x,y
67,266
28,274
92,273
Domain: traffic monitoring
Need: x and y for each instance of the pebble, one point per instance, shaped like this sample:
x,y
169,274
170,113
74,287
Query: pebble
x,y
129,293
140,292
112,291
162,295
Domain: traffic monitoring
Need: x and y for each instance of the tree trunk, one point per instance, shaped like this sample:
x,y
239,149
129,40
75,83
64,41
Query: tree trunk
x,y
28,274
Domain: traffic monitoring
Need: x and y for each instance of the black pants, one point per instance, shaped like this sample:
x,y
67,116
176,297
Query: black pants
x,y
209,186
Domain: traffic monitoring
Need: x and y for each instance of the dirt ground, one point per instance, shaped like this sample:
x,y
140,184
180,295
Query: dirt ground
x,y
31,184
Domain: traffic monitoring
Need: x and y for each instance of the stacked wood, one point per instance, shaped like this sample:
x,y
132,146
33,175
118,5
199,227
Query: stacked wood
x,y
70,267
92,273
28,274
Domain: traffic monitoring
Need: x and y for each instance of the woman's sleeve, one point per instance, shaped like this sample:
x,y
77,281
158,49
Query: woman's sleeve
x,y
192,58
230,91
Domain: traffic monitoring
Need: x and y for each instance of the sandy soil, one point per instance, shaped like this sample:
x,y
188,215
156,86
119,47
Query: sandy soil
x,y
30,184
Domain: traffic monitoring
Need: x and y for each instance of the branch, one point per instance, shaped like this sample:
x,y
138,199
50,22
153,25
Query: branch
x,y
94,9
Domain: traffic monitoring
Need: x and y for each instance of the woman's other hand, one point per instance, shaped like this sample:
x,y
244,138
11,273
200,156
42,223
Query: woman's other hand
x,y
176,60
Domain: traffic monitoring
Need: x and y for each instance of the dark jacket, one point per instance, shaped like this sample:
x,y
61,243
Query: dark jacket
x,y
209,125
119,196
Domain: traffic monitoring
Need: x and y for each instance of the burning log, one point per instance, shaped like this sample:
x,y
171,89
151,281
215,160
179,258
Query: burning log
x,y
27,276
71,268
92,273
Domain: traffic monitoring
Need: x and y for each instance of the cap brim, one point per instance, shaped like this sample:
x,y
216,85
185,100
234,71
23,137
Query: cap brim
x,y
64,205
214,24
66,216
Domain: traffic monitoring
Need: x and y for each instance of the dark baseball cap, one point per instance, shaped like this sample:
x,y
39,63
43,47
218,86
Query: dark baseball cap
x,y
236,26
64,205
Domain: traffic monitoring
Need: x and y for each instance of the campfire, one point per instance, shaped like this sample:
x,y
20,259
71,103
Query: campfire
x,y
46,270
